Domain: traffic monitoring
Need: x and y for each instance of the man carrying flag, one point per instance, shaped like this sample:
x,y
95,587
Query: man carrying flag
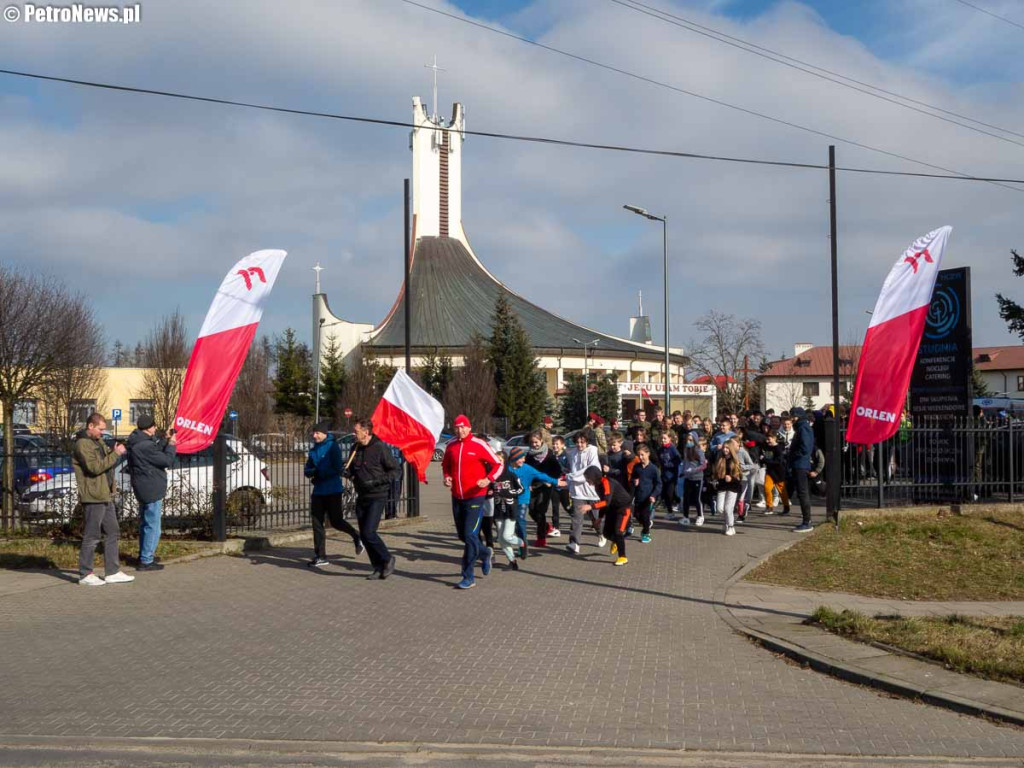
x,y
371,468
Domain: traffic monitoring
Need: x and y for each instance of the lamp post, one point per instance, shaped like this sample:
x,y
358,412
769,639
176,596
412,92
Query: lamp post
x,y
586,376
319,354
664,231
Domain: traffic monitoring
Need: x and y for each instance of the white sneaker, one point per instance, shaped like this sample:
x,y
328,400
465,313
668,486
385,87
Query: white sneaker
x,y
684,521
602,541
119,578
761,504
700,520
572,547
730,531
92,580
554,534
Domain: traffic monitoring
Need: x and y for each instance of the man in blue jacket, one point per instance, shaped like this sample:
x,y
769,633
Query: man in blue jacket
x,y
801,450
324,468
149,458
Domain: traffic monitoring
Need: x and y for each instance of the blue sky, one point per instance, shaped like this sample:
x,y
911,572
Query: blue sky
x,y
155,197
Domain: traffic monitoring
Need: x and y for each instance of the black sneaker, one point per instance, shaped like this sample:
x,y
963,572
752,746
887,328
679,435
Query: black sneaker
x,y
375,575
389,568
149,567
515,565
317,562
360,547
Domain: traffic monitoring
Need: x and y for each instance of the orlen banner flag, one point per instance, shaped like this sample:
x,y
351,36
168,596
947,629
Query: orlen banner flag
x,y
222,346
411,420
890,346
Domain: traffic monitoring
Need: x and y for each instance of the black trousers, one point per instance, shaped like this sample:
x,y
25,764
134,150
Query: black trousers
x,y
328,507
803,492
487,531
615,525
539,502
368,514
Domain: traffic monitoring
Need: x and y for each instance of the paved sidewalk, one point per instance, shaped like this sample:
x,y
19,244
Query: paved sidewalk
x,y
803,602
567,652
775,617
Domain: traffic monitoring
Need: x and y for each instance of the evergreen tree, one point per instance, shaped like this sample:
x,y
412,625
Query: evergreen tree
x,y
119,355
436,375
138,357
293,379
603,400
978,384
521,392
332,381
1012,312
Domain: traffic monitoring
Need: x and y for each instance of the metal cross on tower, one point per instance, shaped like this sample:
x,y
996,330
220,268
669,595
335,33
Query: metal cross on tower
x,y
318,269
436,70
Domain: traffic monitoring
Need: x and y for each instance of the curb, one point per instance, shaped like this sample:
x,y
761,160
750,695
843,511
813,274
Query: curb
x,y
852,673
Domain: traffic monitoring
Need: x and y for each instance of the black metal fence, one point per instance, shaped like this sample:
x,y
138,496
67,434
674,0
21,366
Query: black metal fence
x,y
936,460
232,487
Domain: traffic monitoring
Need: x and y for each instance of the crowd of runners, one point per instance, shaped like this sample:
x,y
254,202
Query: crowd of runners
x,y
683,469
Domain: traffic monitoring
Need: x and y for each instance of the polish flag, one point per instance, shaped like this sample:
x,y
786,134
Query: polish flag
x,y
890,346
646,396
222,347
409,419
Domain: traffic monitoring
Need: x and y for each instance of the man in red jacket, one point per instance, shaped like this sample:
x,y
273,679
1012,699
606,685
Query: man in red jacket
x,y
469,467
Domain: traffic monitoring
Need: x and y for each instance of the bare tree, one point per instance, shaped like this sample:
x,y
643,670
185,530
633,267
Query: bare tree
x,y
719,354
32,336
165,357
361,391
788,394
252,395
471,390
78,371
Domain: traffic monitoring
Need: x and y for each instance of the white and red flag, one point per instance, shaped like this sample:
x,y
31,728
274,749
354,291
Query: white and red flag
x,y
408,418
222,346
894,334
646,396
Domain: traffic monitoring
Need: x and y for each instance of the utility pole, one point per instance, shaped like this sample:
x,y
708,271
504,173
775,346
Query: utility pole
x,y
834,445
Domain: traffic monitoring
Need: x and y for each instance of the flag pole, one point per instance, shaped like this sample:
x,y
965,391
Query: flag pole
x,y
412,483
834,473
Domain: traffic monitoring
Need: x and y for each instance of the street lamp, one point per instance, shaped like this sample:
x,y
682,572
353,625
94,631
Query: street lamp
x,y
664,229
586,377
319,354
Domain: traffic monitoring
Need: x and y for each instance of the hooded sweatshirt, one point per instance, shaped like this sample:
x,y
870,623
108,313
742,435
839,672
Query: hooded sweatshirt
x,y
149,458
579,460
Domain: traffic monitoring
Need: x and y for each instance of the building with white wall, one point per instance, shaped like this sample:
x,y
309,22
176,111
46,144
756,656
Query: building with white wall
x,y
805,379
1002,370
453,295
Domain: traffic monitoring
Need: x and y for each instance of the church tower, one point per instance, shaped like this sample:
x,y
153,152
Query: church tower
x,y
437,172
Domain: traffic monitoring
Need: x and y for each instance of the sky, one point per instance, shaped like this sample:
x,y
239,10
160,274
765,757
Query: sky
x,y
142,202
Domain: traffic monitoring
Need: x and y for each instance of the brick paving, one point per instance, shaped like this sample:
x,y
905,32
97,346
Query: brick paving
x,y
568,651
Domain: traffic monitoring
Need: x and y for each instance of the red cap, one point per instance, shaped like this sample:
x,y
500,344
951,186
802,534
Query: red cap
x,y
548,420
462,421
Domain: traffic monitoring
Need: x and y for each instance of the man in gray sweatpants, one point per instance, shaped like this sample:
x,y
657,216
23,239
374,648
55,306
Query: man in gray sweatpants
x,y
94,466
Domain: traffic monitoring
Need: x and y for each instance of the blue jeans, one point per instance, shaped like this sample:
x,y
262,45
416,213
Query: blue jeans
x,y
521,521
468,513
149,530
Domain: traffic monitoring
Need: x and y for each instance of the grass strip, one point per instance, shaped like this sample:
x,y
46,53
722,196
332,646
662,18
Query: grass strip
x,y
34,552
985,646
911,555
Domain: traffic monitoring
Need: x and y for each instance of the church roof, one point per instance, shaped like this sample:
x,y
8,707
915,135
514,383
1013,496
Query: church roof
x,y
454,297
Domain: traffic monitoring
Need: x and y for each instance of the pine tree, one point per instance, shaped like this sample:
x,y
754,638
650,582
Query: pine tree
x,y
138,357
981,389
332,380
1012,312
119,355
293,379
521,392
436,375
603,400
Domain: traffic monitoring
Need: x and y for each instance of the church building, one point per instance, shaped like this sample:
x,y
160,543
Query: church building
x,y
453,296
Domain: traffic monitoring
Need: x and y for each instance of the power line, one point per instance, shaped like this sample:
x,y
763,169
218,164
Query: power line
x,y
989,13
815,70
508,136
684,91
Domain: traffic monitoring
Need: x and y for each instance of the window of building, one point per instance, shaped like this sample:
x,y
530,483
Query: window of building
x,y
136,408
25,412
80,410
1020,383
811,389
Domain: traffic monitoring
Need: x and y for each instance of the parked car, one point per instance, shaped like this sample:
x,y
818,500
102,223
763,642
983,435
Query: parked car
x,y
189,489
516,440
496,443
34,461
268,443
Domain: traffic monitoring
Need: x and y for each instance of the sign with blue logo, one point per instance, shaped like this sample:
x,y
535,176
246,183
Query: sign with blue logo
x,y
115,415
941,384
233,415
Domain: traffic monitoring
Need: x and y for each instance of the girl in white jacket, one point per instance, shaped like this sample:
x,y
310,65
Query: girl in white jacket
x,y
582,493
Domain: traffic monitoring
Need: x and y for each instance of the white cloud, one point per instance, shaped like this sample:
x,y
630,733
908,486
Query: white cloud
x,y
155,197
